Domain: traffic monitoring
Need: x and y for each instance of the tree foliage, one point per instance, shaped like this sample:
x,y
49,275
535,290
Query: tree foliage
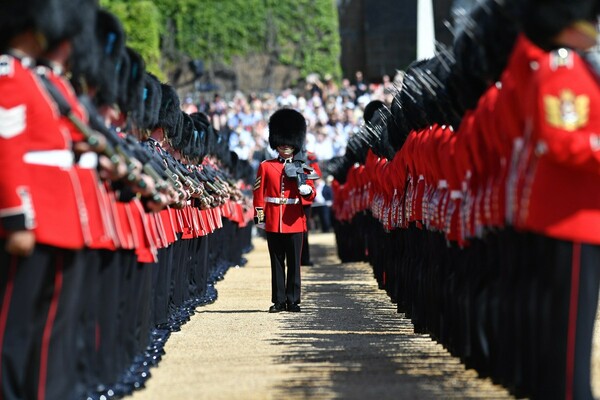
x,y
143,26
301,33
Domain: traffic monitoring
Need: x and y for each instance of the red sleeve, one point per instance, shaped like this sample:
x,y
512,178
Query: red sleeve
x,y
407,153
486,109
447,159
16,210
399,169
463,160
258,199
381,175
370,164
67,91
437,171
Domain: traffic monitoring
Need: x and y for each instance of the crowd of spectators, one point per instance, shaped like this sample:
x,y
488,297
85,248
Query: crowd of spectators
x,y
333,113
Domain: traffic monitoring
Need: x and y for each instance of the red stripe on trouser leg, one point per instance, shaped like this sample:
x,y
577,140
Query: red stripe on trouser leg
x,y
572,328
6,307
58,280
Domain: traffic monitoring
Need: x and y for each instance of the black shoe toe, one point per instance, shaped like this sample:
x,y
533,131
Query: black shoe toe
x,y
277,307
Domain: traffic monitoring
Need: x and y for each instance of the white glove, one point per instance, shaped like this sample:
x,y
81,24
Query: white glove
x,y
304,189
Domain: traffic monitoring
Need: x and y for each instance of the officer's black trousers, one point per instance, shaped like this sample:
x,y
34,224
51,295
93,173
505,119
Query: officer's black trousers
x,y
162,285
37,322
108,314
201,272
569,311
90,297
285,247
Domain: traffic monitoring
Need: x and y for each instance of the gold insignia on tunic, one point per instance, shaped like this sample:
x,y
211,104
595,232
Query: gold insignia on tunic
x,y
257,183
567,111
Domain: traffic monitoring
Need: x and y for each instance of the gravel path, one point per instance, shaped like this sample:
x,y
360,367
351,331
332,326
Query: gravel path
x,y
347,343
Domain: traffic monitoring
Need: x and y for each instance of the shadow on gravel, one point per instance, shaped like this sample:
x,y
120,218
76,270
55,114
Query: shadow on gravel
x,y
349,343
230,311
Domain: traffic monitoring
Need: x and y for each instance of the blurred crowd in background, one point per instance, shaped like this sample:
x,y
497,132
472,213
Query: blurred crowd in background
x,y
333,112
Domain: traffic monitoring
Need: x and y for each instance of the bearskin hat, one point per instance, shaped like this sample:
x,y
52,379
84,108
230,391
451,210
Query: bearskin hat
x,y
234,161
377,117
484,44
544,19
187,135
192,145
202,125
17,16
111,40
287,127
338,167
412,97
371,108
222,145
73,16
176,135
123,67
397,126
55,20
134,100
170,111
151,97
211,142
85,56
131,99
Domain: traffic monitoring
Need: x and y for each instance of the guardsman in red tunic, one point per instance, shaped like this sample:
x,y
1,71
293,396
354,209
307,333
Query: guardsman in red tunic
x,y
42,215
561,195
279,189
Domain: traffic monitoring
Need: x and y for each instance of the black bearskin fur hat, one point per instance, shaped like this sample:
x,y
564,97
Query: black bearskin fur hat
x,y
85,55
151,97
42,16
110,35
170,110
544,19
202,126
287,127
134,101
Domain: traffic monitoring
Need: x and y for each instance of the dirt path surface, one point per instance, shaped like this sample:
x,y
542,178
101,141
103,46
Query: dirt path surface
x,y
347,343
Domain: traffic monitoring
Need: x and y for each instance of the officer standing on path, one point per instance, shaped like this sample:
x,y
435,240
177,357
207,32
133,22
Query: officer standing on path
x,y
280,185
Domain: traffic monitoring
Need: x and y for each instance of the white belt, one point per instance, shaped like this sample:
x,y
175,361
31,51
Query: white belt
x,y
442,184
88,160
281,200
456,194
51,158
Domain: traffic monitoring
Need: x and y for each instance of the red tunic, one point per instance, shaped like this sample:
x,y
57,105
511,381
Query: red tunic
x,y
562,198
37,178
86,171
271,189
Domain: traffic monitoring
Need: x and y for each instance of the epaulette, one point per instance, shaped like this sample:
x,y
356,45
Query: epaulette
x,y
561,58
6,65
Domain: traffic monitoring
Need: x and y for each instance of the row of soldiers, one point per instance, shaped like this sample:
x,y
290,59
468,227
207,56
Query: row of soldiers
x,y
476,197
118,211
